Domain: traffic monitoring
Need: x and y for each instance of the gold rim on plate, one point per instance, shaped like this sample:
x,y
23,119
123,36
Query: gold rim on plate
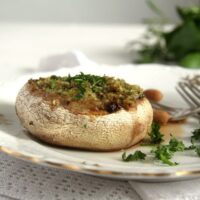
x,y
75,168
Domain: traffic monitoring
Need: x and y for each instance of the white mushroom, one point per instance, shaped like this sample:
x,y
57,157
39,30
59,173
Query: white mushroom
x,y
114,131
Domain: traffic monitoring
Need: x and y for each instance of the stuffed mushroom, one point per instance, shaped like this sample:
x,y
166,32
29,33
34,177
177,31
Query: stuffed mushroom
x,y
84,111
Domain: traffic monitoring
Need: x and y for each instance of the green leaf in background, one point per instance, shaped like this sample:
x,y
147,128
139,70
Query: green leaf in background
x,y
181,45
190,13
184,39
191,60
155,8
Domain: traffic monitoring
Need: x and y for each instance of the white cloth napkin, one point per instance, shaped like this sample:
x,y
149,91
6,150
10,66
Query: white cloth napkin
x,y
69,59
182,190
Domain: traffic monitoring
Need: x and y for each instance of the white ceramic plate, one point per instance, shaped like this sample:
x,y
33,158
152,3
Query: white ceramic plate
x,y
15,141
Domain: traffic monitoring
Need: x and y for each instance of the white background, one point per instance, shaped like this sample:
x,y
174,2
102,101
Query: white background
x,y
84,11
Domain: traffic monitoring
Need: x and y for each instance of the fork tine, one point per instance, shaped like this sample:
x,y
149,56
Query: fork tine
x,y
185,94
165,107
192,93
195,90
185,113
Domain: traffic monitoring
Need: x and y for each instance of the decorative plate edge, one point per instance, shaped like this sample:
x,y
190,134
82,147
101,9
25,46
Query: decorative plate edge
x,y
82,169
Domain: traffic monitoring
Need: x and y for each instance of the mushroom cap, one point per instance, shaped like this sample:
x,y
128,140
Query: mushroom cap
x,y
115,131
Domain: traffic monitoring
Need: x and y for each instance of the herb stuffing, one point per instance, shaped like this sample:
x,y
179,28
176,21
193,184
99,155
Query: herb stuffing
x,y
96,93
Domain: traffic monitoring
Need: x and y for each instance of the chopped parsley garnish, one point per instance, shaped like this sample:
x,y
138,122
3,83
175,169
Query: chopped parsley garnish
x,y
195,136
82,81
191,147
176,145
138,155
80,93
156,136
165,152
197,150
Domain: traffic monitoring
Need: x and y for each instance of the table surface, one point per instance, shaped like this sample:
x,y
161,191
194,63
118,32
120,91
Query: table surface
x,y
21,48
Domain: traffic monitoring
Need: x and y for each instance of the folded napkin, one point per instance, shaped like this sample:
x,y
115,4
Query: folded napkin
x,y
179,190
69,59
182,190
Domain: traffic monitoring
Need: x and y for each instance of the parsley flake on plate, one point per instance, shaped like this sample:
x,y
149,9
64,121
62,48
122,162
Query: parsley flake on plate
x,y
165,152
138,155
195,136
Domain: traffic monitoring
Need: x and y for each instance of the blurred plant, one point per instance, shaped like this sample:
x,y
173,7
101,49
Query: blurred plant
x,y
180,44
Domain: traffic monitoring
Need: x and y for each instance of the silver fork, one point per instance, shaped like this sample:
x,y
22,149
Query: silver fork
x,y
189,89
190,92
176,114
167,108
